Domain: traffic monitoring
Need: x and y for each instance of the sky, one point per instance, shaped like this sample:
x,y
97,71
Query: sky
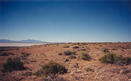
x,y
66,21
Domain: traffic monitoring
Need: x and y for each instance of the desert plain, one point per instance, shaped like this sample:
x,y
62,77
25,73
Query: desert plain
x,y
34,57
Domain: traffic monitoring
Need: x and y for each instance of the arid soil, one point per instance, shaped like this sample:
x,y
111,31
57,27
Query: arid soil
x,y
42,54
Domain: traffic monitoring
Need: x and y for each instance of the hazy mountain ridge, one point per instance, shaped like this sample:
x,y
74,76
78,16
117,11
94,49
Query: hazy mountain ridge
x,y
21,41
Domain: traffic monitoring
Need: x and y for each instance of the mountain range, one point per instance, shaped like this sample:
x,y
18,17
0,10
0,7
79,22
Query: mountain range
x,y
21,41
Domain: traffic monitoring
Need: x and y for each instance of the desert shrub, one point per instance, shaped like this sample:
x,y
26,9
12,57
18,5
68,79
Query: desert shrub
x,y
113,59
108,58
59,53
66,46
69,53
75,47
13,64
88,69
84,56
24,55
72,57
52,68
126,60
78,43
105,50
66,60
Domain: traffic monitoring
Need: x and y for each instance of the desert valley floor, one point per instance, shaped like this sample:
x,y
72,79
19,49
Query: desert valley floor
x,y
36,56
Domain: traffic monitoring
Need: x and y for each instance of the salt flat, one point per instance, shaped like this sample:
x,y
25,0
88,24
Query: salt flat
x,y
18,44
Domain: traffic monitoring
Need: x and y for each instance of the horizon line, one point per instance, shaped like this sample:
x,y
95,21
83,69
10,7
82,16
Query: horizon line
x,y
68,41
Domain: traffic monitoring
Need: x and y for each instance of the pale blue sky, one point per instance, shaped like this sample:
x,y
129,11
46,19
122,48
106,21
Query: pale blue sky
x,y
83,21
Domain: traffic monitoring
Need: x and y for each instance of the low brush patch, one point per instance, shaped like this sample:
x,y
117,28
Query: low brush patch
x,y
69,53
13,64
84,56
114,59
51,68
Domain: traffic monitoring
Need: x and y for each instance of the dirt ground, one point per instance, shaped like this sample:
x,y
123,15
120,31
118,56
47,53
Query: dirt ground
x,y
42,54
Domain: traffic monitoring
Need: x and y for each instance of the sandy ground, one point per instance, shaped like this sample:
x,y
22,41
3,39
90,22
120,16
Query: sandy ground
x,y
42,54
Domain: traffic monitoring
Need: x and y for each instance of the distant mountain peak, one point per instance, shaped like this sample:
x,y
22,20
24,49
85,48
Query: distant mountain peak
x,y
32,41
21,41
